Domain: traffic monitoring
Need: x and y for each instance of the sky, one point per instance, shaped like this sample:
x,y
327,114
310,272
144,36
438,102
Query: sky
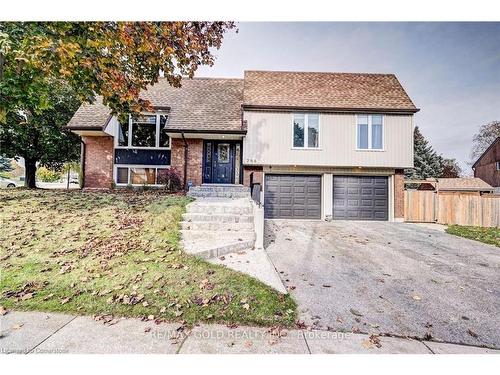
x,y
451,71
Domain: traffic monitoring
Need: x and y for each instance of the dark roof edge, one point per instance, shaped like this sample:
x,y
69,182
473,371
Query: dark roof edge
x,y
82,128
486,151
206,131
329,109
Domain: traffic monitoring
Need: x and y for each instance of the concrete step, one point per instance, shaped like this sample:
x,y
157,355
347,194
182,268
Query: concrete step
x,y
206,252
218,194
234,188
219,191
216,226
220,218
211,236
202,208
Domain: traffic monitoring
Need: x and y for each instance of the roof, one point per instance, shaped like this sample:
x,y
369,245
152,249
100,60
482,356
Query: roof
x,y
201,104
463,184
486,151
215,104
334,91
90,116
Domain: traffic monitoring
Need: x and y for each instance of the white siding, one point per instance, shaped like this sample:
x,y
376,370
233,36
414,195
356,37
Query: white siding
x,y
269,142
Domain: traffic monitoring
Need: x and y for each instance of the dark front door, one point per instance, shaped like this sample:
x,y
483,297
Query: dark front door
x,y
221,162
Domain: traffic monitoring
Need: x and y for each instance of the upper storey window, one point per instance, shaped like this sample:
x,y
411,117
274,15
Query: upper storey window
x,y
306,130
370,132
145,131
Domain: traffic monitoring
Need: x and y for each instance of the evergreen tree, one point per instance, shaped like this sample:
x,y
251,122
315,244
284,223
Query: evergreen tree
x,y
427,163
5,164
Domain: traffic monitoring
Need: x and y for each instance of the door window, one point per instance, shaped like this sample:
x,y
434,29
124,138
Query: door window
x,y
223,153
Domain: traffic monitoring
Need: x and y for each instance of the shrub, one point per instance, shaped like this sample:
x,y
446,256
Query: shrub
x,y
170,178
47,175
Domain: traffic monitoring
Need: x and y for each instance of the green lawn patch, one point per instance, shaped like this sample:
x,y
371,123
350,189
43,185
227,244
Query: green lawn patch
x,y
118,254
487,235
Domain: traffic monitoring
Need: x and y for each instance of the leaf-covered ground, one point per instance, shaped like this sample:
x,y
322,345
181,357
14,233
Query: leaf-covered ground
x,y
487,235
118,254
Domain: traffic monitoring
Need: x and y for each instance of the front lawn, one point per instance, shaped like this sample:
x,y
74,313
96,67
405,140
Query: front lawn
x,y
487,235
118,254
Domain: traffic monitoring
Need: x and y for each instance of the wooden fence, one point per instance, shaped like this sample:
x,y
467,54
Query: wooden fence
x,y
452,208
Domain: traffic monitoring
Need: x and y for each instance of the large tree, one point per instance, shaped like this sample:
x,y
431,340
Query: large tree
x,y
38,135
113,59
484,138
427,163
41,60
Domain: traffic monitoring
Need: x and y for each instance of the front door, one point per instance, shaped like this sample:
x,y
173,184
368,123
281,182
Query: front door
x,y
221,162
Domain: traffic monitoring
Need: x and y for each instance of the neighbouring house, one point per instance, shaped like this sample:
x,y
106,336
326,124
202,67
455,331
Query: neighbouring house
x,y
487,167
459,185
322,145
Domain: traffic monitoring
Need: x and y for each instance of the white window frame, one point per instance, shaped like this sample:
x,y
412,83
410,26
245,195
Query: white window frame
x,y
306,131
370,132
157,134
129,166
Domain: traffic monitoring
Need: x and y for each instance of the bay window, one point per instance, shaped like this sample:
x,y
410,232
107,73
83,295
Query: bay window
x,y
370,132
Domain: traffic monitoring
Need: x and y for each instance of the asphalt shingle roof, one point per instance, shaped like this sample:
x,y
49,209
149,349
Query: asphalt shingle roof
x,y
215,104
325,90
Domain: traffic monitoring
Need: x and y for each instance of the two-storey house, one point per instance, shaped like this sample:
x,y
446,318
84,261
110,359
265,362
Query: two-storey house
x,y
322,145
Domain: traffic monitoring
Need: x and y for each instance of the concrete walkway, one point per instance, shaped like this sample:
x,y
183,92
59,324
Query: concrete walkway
x,y
37,332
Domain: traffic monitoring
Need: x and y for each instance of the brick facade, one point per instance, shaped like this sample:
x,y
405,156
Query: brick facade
x,y
399,194
195,159
98,162
257,175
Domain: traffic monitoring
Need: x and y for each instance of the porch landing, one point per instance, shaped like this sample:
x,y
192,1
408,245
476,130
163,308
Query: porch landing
x,y
219,191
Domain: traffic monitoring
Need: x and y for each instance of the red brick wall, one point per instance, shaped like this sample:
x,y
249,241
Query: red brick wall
x,y
195,159
399,209
98,162
257,175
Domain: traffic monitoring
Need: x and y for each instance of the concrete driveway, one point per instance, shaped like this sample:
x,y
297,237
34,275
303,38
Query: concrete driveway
x,y
394,278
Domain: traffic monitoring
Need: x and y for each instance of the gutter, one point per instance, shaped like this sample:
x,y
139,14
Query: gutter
x,y
82,162
329,109
186,148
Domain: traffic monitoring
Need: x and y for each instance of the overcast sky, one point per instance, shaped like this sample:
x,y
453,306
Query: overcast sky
x,y
450,70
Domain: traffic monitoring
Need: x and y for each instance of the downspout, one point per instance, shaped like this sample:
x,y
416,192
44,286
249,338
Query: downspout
x,y
82,163
185,160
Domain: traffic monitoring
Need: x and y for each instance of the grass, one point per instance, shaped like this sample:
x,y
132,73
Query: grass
x,y
118,254
487,235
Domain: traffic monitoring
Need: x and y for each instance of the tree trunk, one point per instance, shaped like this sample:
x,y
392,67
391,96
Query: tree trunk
x,y
30,174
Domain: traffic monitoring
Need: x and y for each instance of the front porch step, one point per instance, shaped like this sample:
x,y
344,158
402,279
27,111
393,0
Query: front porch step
x,y
217,226
221,206
219,191
220,218
214,236
215,250
214,226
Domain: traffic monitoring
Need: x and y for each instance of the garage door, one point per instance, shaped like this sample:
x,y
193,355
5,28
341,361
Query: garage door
x,y
360,198
292,196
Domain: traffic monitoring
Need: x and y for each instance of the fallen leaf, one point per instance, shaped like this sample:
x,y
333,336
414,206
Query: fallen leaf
x,y
416,297
246,306
151,317
472,333
65,300
17,326
355,312
3,311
